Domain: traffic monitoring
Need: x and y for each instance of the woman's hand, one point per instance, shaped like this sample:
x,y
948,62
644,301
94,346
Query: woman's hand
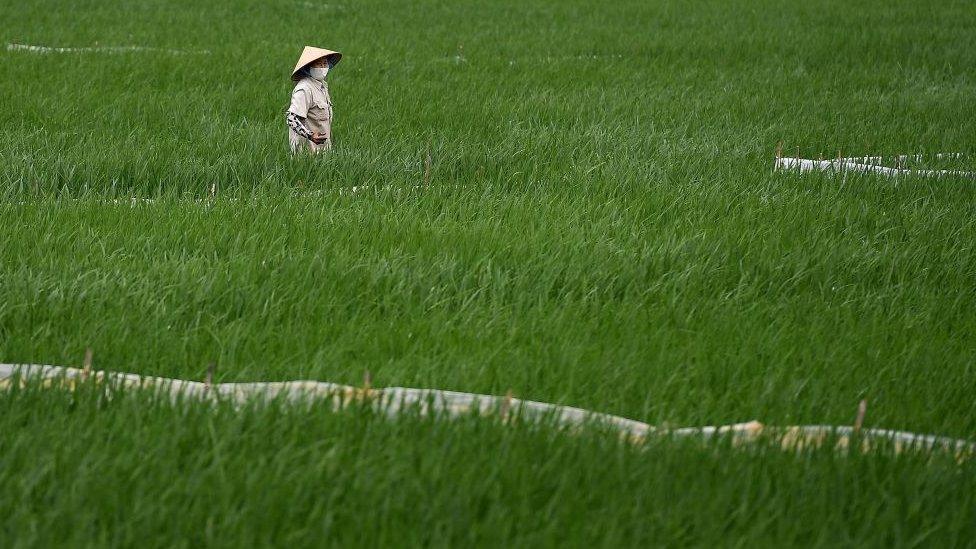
x,y
319,138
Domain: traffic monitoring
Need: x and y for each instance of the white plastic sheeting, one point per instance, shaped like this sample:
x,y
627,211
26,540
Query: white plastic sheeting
x,y
842,165
101,49
870,164
355,189
395,400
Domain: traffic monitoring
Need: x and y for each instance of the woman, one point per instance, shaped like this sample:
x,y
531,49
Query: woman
x,y
309,116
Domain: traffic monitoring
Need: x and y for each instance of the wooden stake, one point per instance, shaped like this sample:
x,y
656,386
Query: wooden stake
x,y
208,381
367,381
862,409
87,368
779,150
506,405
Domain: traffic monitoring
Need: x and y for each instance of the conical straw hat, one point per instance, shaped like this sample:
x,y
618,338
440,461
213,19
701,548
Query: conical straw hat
x,y
311,54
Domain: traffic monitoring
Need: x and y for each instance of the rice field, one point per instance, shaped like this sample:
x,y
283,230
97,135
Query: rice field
x,y
574,202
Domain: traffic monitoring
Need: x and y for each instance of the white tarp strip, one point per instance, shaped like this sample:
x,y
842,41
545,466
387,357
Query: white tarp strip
x,y
866,164
877,160
355,189
101,49
394,400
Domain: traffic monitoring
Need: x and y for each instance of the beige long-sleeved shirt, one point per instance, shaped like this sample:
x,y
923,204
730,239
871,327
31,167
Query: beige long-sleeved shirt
x,y
311,103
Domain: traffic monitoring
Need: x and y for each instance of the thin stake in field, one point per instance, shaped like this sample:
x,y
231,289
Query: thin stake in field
x,y
506,406
862,409
87,367
208,380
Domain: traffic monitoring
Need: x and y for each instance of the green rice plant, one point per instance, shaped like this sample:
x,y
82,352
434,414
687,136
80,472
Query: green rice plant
x,y
125,468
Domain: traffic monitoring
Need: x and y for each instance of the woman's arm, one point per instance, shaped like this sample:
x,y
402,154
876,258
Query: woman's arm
x,y
295,123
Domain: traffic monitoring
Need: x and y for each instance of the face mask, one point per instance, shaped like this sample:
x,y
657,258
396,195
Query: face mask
x,y
318,73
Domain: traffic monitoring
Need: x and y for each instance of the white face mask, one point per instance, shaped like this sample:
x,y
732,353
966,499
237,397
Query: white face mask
x,y
318,73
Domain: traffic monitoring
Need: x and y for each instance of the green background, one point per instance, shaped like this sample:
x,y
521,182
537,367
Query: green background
x,y
598,224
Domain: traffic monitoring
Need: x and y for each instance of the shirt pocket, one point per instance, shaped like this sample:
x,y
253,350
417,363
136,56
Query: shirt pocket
x,y
320,109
